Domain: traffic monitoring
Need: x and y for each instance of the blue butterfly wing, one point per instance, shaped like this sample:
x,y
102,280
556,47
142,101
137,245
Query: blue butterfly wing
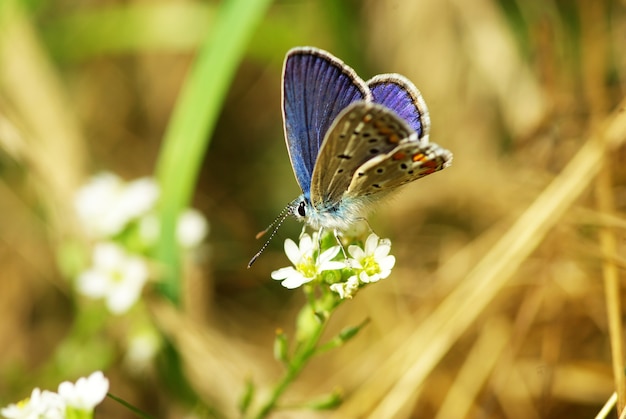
x,y
399,94
316,87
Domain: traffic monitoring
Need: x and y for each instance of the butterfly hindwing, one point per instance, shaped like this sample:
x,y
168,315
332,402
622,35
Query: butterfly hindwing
x,y
400,95
316,88
364,131
409,161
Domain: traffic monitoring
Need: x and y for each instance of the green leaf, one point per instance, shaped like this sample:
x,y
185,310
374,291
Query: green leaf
x,y
247,397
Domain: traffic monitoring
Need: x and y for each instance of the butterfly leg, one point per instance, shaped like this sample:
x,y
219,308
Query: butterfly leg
x,y
336,234
303,231
366,223
319,240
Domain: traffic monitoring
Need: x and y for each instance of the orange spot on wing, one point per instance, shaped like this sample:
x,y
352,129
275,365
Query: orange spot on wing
x,y
388,132
418,157
398,155
430,166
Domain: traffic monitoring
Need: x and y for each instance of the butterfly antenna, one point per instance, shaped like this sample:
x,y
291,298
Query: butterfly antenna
x,y
276,224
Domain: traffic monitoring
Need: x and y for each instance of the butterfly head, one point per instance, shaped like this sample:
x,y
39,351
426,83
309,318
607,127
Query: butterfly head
x,y
332,216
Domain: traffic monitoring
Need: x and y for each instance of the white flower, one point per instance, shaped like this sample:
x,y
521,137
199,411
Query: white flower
x,y
374,262
191,229
346,289
87,393
115,276
41,405
106,203
142,349
306,268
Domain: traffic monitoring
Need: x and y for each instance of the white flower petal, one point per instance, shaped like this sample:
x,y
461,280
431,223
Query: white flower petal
x,y
106,204
107,255
354,264
93,204
292,251
346,289
283,273
121,299
328,254
295,281
41,405
134,272
138,197
364,277
371,243
381,251
356,252
339,289
87,393
331,265
384,274
92,283
192,228
142,350
306,244
387,263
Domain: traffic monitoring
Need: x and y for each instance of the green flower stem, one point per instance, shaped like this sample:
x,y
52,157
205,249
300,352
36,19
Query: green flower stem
x,y
135,410
295,367
305,350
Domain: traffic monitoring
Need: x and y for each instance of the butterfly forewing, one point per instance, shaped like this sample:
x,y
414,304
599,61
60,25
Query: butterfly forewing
x,y
364,131
316,88
400,95
409,161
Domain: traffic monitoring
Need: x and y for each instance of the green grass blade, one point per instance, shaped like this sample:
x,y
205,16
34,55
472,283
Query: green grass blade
x,y
189,132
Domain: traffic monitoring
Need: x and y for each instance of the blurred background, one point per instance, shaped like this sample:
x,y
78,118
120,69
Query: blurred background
x,y
493,310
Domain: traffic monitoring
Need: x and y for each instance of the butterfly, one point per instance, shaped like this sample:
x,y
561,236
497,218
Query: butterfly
x,y
350,142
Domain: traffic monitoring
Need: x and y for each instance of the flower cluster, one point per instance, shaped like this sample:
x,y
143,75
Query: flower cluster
x,y
307,265
72,400
369,263
116,276
106,204
120,217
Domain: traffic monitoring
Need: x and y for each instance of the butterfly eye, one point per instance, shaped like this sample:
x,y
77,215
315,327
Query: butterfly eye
x,y
301,210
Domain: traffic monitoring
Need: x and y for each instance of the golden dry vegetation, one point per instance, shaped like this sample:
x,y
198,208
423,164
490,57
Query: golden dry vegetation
x,y
506,299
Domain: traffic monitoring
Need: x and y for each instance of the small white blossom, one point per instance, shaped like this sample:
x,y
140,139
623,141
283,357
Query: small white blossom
x,y
87,393
346,289
41,405
139,197
115,276
191,229
306,267
142,349
374,262
106,204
